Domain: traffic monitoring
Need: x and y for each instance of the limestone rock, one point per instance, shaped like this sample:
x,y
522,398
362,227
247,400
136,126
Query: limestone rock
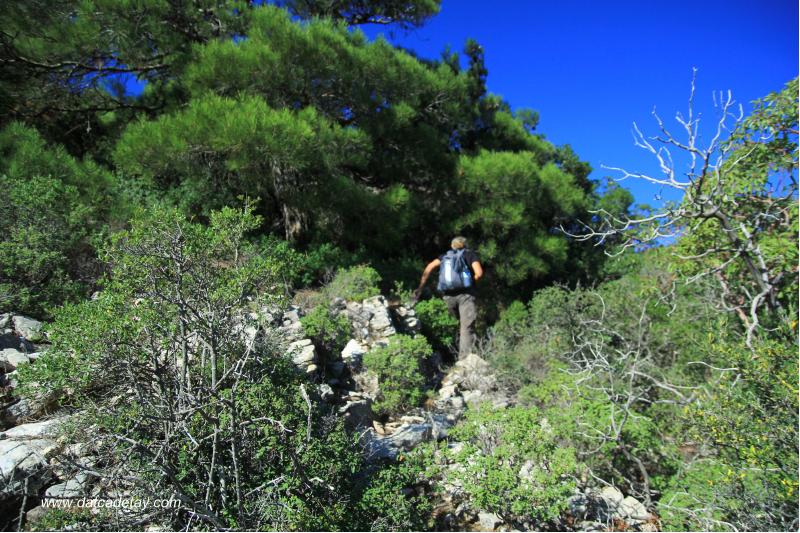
x,y
35,430
16,412
31,407
578,505
35,514
612,495
407,319
447,391
353,353
357,413
72,488
633,510
368,384
9,339
29,328
409,435
10,359
326,392
24,454
377,447
304,353
489,521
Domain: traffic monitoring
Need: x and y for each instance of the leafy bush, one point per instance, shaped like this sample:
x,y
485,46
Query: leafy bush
x,y
437,322
328,330
61,519
180,401
526,340
320,263
384,506
399,369
749,419
513,464
24,154
355,283
44,244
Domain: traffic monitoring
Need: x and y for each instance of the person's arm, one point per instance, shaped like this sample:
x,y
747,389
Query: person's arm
x,y
433,265
477,269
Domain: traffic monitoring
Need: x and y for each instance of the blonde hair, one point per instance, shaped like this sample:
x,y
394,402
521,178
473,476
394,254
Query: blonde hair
x,y
458,243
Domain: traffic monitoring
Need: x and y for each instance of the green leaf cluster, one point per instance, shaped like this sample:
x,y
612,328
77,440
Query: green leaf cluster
x,y
398,366
514,465
438,325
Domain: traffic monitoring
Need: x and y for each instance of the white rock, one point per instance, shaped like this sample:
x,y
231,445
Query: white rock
x,y
292,314
24,459
10,359
578,505
304,352
353,352
326,392
489,521
455,447
612,495
34,430
447,391
5,320
15,412
527,470
29,328
375,301
408,436
368,384
377,447
632,509
357,413
380,322
72,488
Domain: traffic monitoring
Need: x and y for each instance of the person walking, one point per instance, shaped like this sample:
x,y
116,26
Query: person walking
x,y
459,270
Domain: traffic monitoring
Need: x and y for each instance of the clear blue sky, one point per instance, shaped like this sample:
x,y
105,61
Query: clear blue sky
x,y
592,68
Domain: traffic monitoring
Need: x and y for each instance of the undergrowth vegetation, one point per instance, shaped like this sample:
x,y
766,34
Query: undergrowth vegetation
x,y
398,367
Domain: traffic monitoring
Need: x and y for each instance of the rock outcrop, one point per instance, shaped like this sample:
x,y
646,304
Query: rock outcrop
x,y
25,453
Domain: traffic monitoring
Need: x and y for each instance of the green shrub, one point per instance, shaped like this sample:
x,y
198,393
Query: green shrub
x,y
45,253
384,506
354,283
749,418
399,370
319,263
513,465
328,330
61,519
437,322
249,424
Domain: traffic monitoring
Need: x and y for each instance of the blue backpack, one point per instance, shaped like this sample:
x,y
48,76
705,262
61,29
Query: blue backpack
x,y
454,272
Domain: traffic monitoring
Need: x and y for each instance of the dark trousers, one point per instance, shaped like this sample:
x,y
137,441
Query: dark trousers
x,y
465,309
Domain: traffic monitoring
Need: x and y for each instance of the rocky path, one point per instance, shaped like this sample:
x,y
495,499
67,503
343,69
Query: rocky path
x,y
35,463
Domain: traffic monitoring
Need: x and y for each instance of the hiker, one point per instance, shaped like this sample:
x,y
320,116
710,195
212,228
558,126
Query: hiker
x,y
459,270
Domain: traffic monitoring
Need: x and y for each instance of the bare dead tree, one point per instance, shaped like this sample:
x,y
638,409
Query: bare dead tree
x,y
739,212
